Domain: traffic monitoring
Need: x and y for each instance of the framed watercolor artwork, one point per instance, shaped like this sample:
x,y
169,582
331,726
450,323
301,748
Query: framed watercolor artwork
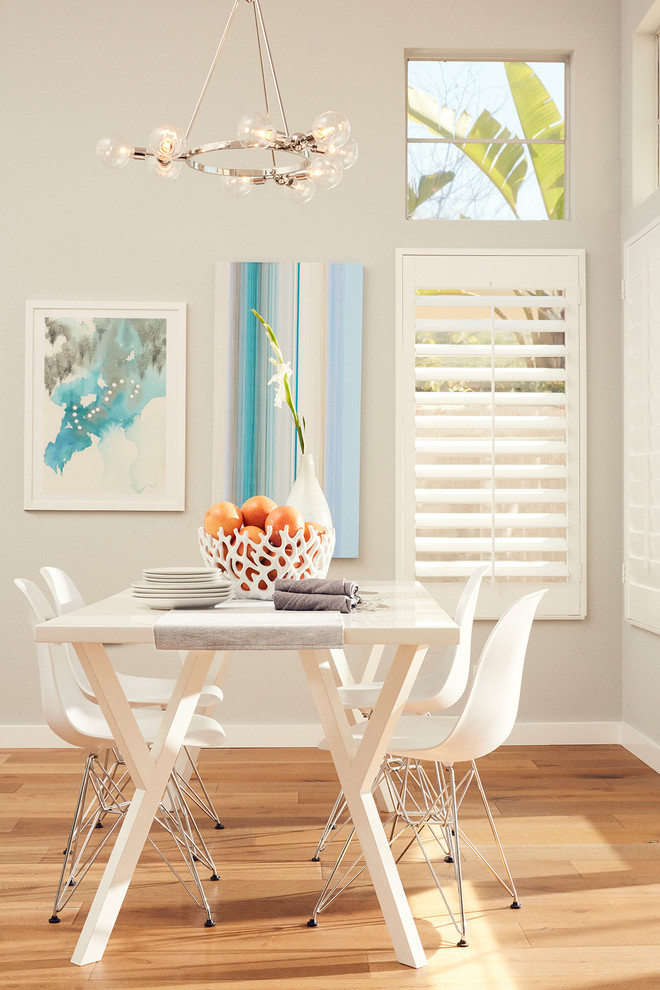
x,y
315,309
105,415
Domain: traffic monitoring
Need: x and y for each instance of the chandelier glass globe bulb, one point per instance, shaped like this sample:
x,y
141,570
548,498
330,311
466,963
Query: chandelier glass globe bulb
x,y
255,131
300,191
166,142
237,185
114,151
346,155
164,170
331,129
325,174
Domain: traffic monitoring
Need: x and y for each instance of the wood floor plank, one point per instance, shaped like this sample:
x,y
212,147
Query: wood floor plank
x,y
580,824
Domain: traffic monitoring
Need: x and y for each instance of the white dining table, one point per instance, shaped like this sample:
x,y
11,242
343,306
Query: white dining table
x,y
408,619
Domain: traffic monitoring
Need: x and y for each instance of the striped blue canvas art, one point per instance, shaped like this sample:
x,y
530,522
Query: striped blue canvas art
x,y
315,310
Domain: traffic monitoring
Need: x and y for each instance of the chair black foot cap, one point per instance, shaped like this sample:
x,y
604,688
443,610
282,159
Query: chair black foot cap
x,y
99,825
195,859
312,923
316,859
219,825
72,883
516,905
463,944
54,920
209,923
449,859
214,877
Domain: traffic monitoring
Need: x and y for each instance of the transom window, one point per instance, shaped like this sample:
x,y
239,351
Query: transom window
x,y
486,139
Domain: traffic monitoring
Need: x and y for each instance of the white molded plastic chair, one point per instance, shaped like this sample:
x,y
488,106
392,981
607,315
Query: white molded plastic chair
x,y
484,724
432,692
79,722
442,688
141,692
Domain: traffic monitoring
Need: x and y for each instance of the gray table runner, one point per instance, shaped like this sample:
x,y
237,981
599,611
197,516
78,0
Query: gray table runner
x,y
220,629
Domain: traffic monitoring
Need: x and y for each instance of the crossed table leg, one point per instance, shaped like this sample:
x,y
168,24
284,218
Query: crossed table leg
x,y
357,765
150,770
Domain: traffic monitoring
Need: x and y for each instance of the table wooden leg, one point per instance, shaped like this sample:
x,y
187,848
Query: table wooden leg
x,y
357,767
150,771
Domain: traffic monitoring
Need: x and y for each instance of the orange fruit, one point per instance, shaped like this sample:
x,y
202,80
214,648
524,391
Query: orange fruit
x,y
310,526
223,516
256,509
282,517
255,535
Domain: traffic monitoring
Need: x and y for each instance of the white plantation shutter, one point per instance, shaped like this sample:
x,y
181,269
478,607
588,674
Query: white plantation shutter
x,y
642,429
490,396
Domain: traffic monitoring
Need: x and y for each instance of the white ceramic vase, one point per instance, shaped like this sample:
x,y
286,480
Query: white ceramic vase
x,y
307,494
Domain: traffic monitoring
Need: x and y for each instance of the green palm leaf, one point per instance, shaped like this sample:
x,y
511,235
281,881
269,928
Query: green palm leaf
x,y
540,120
427,187
503,164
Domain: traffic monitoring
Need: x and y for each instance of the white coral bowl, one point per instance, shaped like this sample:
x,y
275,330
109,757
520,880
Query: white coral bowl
x,y
254,568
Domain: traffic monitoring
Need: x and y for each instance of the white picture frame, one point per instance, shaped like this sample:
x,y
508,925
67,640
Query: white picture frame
x,y
105,406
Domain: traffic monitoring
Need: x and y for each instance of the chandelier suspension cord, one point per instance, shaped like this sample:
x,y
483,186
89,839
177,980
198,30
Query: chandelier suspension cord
x,y
257,10
211,70
263,76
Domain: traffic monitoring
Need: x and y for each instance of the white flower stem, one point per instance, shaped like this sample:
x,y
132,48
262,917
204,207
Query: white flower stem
x,y
285,379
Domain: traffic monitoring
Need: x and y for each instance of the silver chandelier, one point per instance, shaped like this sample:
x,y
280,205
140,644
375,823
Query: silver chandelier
x,y
314,159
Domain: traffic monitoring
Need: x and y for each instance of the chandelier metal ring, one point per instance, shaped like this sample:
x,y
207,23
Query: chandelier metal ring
x,y
275,172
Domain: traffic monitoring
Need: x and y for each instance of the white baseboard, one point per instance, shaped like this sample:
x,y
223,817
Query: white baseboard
x,y
244,736
239,736
524,734
565,733
640,746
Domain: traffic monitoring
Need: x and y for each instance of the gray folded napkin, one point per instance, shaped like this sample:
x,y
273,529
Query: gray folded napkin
x,y
292,602
318,586
316,595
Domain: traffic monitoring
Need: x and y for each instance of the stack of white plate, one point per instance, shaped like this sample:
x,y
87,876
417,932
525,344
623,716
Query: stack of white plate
x,y
182,587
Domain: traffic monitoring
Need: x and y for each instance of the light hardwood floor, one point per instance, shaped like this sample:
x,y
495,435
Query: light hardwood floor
x,y
581,826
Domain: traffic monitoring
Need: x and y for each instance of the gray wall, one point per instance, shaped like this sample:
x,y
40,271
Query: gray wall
x,y
75,70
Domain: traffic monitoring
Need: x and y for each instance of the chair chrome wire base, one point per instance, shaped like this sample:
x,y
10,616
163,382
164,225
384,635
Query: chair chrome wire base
x,y
416,791
420,803
86,841
107,801
180,824
203,802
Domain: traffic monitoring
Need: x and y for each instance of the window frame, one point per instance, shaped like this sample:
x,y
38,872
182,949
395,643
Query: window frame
x,y
447,592
426,55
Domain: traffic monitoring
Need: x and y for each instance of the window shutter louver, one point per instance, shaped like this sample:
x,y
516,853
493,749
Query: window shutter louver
x,y
642,429
491,417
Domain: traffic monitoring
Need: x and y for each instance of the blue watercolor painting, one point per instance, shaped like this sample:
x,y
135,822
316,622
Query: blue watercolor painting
x,y
102,373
